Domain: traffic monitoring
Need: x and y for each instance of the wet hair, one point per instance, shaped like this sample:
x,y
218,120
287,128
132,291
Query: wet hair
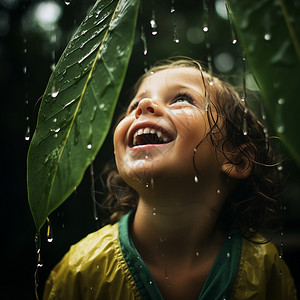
x,y
253,205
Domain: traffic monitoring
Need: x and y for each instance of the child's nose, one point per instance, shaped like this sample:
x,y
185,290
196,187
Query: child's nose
x,y
147,106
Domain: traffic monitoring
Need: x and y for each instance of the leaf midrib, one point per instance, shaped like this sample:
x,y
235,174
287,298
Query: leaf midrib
x,y
79,103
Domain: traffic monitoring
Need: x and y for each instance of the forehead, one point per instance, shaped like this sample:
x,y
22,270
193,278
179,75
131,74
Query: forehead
x,y
169,78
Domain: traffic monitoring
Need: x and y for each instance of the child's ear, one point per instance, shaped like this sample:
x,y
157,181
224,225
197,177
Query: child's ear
x,y
239,163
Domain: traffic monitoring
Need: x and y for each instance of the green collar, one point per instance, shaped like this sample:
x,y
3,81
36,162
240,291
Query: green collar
x,y
218,284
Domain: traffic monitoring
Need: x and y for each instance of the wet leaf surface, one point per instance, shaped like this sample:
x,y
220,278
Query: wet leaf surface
x,y
78,104
270,34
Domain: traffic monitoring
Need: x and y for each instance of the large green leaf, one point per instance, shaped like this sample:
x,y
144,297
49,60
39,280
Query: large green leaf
x,y
78,104
270,34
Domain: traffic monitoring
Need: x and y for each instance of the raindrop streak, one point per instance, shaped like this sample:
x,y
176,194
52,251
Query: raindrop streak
x,y
175,34
95,212
49,231
205,29
25,71
39,263
233,34
280,124
144,41
244,97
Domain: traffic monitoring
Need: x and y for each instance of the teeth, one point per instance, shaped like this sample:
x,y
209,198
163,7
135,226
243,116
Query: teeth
x,y
148,130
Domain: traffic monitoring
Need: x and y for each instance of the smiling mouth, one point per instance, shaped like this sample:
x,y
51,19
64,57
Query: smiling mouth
x,y
149,136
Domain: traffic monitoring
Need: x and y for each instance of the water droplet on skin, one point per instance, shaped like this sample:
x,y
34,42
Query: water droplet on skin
x,y
196,179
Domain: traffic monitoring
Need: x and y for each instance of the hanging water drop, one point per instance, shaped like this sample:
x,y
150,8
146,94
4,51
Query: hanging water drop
x,y
196,179
54,94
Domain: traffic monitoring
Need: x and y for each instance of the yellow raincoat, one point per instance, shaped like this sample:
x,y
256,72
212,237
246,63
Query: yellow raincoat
x,y
105,265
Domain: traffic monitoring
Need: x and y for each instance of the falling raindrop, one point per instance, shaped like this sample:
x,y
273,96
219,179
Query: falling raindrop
x,y
280,125
245,126
27,133
175,34
267,36
234,39
280,252
39,263
154,211
93,193
144,41
49,231
153,24
280,167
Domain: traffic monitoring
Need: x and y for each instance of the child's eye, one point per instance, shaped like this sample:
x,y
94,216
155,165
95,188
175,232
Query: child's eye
x,y
132,106
182,98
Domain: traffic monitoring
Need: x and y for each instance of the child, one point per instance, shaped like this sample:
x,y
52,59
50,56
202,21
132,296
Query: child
x,y
194,186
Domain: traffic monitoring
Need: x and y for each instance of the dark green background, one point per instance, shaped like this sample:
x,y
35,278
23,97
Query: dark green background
x,y
74,219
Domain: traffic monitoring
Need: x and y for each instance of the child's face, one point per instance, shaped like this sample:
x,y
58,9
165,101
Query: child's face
x,y
165,121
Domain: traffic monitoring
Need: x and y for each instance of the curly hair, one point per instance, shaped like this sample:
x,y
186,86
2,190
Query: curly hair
x,y
254,204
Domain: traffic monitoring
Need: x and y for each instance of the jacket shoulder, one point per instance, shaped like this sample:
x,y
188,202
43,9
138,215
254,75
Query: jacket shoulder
x,y
93,268
262,273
